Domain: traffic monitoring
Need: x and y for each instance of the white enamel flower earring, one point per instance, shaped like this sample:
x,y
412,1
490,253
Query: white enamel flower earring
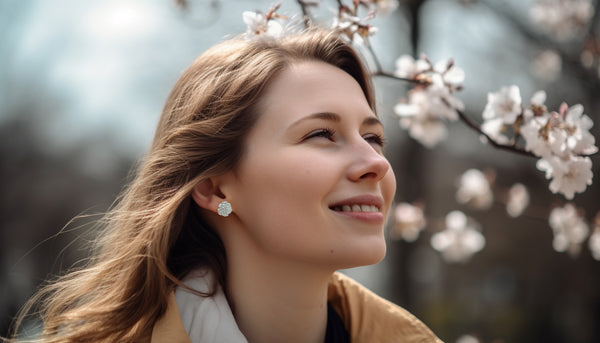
x,y
224,208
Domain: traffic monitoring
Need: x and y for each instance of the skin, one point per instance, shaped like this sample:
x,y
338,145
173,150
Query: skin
x,y
315,148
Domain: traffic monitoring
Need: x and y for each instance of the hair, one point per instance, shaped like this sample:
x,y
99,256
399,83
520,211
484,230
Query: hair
x,y
154,234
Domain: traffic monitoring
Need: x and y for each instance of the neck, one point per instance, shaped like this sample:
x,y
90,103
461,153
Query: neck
x,y
277,301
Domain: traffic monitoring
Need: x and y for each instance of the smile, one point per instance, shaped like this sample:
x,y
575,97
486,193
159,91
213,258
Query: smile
x,y
356,208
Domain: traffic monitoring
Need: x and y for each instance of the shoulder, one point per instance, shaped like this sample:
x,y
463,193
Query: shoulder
x,y
370,318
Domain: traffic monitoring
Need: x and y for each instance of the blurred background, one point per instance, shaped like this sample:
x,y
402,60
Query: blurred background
x,y
82,84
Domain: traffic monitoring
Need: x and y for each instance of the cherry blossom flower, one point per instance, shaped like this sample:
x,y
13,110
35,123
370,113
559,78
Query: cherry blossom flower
x,y
408,67
460,240
569,176
537,138
579,140
495,129
352,25
259,24
538,99
518,200
536,106
561,139
440,91
428,130
547,65
504,108
558,138
474,189
384,7
422,116
409,222
569,228
505,104
452,75
431,101
562,19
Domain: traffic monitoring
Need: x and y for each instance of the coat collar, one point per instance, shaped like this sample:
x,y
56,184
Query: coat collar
x,y
366,316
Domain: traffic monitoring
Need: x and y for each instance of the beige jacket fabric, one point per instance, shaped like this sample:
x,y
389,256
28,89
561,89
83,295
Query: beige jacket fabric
x,y
366,316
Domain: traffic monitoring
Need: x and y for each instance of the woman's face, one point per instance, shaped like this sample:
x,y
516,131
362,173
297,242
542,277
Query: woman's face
x,y
313,185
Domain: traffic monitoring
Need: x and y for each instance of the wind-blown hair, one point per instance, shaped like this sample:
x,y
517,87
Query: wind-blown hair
x,y
154,234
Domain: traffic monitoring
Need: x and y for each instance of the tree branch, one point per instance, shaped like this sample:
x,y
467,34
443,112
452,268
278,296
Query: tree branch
x,y
477,128
379,72
305,12
463,117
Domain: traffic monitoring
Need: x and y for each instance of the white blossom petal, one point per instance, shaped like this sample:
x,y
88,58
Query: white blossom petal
x,y
474,189
454,76
571,176
538,98
534,140
505,104
460,240
569,228
518,200
494,128
409,222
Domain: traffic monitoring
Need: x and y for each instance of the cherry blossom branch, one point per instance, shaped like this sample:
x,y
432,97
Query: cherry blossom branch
x,y
423,79
476,127
378,67
468,121
389,75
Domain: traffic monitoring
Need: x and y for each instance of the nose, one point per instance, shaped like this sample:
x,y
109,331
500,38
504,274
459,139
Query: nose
x,y
367,163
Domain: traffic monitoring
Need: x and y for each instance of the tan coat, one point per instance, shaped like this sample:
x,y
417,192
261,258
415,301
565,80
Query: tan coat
x,y
366,316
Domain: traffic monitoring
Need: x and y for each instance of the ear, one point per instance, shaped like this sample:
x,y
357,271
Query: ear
x,y
207,195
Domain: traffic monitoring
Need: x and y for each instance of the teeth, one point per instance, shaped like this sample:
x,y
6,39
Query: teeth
x,y
356,208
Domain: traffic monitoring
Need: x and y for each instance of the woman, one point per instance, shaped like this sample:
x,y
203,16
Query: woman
x,y
265,176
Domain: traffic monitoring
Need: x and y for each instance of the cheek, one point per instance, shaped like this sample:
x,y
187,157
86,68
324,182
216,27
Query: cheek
x,y
290,175
280,190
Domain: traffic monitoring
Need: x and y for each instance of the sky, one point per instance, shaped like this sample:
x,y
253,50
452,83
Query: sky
x,y
109,64
104,68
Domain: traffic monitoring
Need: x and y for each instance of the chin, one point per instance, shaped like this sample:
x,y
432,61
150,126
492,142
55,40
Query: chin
x,y
365,255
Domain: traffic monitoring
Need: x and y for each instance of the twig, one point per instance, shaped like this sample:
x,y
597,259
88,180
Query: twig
x,y
378,66
305,13
379,72
394,77
468,121
473,125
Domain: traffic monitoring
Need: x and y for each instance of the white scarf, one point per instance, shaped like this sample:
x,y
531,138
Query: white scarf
x,y
206,319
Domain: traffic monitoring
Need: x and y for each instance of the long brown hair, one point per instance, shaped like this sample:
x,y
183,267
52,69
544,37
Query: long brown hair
x,y
154,234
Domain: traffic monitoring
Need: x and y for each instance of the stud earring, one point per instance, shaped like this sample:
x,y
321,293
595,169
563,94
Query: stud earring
x,y
224,208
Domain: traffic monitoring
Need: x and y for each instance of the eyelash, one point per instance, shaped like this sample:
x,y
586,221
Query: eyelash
x,y
329,133
376,138
325,133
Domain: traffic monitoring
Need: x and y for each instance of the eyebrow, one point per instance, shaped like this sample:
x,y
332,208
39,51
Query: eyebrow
x,y
334,117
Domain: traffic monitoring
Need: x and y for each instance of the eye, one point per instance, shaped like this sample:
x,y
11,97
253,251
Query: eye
x,y
375,138
324,133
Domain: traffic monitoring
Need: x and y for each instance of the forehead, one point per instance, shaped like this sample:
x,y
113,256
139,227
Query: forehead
x,y
310,87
